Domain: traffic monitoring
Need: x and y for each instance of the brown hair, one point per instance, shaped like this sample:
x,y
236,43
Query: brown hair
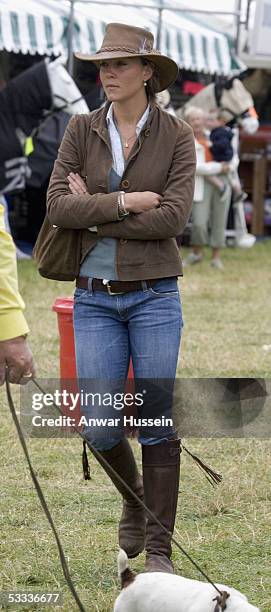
x,y
153,84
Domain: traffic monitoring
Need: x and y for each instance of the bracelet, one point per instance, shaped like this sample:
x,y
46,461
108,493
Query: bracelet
x,y
122,212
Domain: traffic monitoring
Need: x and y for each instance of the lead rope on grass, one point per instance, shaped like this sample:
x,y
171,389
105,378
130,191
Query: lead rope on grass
x,y
42,499
223,595
213,477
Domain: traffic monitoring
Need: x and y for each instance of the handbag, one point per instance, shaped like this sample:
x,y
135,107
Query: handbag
x,y
58,251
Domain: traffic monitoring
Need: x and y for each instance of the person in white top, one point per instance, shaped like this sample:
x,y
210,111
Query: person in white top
x,y
210,207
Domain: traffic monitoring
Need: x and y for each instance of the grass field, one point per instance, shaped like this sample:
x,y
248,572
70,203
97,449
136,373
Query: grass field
x,y
227,531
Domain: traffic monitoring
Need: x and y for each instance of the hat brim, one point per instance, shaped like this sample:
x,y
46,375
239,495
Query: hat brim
x,y
167,68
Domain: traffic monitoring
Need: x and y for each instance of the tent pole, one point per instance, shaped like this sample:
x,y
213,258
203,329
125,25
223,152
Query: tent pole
x,y
248,14
159,25
238,7
70,37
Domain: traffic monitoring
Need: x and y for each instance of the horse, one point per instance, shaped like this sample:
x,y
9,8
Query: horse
x,y
237,106
25,104
232,98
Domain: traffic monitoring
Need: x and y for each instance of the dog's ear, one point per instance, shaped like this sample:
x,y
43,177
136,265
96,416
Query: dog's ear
x,y
126,575
221,601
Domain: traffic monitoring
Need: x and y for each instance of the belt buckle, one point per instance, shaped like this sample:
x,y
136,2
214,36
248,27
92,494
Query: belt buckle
x,y
113,292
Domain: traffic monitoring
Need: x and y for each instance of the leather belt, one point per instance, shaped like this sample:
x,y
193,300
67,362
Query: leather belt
x,y
115,287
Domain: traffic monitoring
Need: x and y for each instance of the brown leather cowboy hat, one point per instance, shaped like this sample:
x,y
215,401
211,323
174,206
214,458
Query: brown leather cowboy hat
x,y
121,40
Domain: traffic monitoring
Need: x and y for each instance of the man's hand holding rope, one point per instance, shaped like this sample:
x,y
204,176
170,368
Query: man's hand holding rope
x,y
16,356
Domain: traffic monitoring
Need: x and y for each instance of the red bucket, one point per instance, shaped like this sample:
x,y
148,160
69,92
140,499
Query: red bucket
x,y
64,309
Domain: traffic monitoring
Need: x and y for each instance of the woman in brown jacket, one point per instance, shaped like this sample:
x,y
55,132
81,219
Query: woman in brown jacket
x,y
125,177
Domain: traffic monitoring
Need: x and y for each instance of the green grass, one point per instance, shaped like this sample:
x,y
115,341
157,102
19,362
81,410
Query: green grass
x,y
227,315
227,322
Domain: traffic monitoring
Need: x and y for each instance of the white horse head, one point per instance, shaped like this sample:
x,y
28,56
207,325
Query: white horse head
x,y
65,93
232,98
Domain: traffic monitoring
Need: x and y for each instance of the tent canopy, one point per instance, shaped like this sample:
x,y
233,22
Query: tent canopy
x,y
42,27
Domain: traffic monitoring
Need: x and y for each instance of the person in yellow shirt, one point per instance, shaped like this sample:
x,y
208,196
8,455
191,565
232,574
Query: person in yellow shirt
x,y
15,353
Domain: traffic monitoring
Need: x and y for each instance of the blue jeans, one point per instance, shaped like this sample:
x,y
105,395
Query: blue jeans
x,y
144,325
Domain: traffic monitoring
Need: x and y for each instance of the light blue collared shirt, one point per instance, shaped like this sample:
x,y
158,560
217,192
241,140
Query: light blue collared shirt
x,y
116,144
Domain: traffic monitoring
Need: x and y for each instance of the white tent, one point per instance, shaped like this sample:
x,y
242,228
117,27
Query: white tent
x,y
41,26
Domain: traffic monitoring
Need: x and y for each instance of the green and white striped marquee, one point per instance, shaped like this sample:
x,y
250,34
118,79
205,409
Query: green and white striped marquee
x,y
40,26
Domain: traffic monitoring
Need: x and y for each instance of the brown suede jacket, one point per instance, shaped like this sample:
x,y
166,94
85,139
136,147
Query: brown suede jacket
x,y
162,160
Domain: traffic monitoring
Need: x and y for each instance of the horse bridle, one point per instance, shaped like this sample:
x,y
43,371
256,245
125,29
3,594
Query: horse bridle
x,y
218,91
51,112
23,138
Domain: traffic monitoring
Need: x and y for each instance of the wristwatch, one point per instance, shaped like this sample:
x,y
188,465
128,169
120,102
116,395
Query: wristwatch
x,y
122,212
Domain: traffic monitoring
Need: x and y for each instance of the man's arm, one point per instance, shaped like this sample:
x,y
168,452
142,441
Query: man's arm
x,y
14,351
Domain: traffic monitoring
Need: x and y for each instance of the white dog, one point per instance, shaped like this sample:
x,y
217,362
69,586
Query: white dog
x,y
161,592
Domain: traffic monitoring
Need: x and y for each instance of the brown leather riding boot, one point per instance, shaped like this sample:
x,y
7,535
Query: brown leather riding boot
x,y
132,526
161,473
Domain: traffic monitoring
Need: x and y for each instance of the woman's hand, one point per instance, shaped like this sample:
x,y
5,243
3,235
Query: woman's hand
x,y
76,184
140,201
136,202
